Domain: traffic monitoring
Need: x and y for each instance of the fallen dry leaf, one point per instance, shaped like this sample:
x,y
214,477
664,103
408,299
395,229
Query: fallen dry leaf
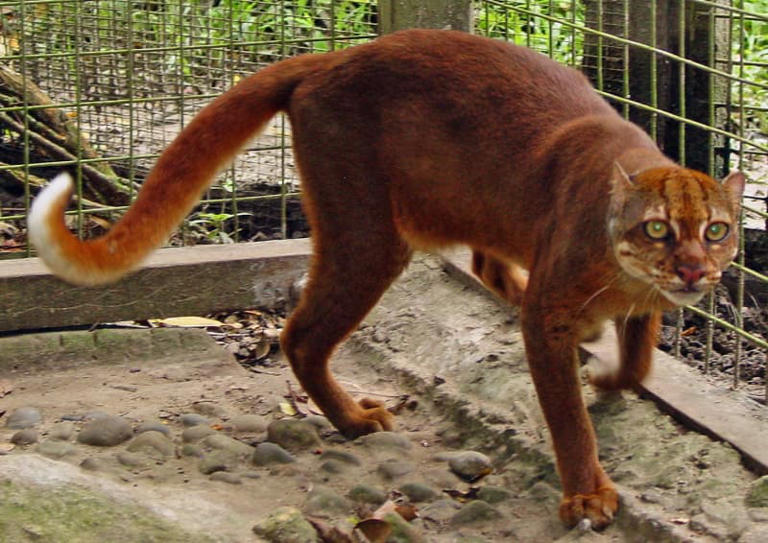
x,y
186,322
375,530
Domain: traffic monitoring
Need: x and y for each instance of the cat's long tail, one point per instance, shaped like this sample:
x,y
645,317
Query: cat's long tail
x,y
184,170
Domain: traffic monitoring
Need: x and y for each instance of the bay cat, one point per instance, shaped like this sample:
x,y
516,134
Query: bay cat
x,y
423,139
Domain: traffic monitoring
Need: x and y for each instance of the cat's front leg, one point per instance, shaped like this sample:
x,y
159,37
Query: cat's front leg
x,y
550,340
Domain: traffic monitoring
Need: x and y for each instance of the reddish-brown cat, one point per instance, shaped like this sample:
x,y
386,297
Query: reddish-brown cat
x,y
422,139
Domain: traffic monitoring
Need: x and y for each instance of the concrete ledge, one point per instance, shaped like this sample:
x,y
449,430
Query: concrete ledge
x,y
178,281
56,351
684,393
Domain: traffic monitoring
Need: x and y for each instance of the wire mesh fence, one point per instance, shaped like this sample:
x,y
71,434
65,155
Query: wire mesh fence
x,y
101,87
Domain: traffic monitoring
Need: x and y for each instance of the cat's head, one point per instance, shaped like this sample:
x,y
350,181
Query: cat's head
x,y
674,228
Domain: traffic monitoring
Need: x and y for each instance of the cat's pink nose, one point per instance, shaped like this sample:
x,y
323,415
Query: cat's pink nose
x,y
690,274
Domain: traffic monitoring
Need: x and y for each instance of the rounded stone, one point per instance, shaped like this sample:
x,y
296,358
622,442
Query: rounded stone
x,y
333,466
470,465
226,443
440,510
55,449
340,456
319,422
153,443
757,495
226,477
248,423
26,436
24,417
63,431
418,492
196,433
493,494
286,525
218,461
392,469
268,453
193,419
475,511
132,460
385,440
324,500
192,449
153,426
210,409
294,435
105,431
93,464
367,494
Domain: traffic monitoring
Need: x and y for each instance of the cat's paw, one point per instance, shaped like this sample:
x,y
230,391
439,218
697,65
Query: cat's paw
x,y
598,508
371,416
611,382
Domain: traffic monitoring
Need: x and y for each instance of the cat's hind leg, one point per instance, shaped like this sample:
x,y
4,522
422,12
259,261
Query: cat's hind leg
x,y
504,279
637,337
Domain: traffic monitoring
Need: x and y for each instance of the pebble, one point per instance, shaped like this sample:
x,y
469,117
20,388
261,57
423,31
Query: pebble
x,y
218,460
25,437
324,500
367,494
226,443
418,492
132,460
93,464
475,511
193,419
105,431
152,443
493,494
392,469
154,426
270,453
470,465
248,423
341,456
440,510
24,417
55,449
293,435
227,477
333,466
62,431
210,409
319,422
93,415
286,525
757,495
192,449
196,433
385,440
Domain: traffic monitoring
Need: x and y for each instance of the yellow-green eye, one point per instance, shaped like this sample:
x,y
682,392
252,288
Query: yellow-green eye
x,y
716,231
656,229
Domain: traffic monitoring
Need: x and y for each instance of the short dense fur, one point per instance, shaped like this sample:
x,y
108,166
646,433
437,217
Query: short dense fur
x,y
427,138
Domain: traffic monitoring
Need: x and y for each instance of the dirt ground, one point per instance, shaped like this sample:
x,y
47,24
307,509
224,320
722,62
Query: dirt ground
x,y
446,354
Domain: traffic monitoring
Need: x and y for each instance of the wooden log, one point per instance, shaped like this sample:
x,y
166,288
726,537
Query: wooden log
x,y
174,282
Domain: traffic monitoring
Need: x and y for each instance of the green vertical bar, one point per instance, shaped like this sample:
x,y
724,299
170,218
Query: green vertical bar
x,y
130,91
25,106
79,113
573,33
710,325
740,286
332,25
229,65
600,45
625,54
283,141
654,75
681,140
550,23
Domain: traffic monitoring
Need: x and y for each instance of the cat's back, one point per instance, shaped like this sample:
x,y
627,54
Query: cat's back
x,y
458,71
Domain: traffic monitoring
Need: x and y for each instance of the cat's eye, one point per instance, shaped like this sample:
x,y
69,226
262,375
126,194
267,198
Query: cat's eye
x,y
717,231
657,230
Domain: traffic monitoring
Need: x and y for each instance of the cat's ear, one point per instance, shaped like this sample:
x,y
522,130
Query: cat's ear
x,y
621,181
734,186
